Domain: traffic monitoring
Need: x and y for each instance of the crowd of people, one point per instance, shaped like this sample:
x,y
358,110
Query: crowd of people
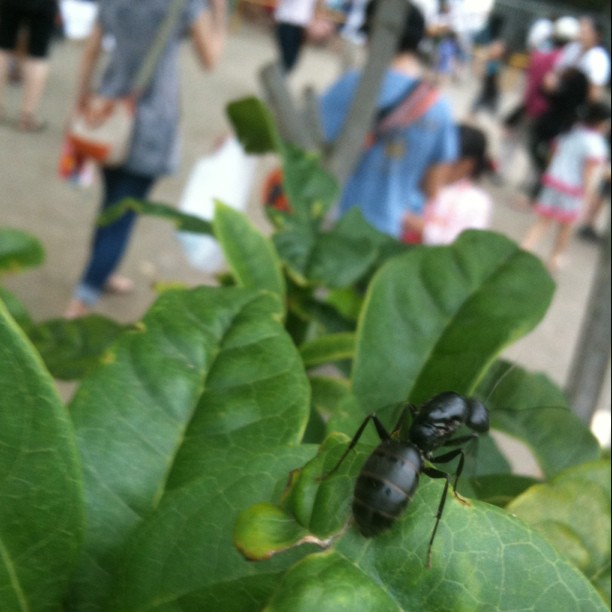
x,y
418,178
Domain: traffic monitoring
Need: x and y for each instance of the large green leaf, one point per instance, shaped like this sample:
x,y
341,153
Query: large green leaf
x,y
205,369
482,558
19,250
573,513
249,253
182,557
533,409
41,506
435,318
70,348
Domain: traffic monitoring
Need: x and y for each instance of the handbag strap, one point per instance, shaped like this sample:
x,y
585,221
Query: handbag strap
x,y
149,63
412,108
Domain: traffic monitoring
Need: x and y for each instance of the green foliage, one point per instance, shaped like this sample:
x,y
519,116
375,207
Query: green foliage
x,y
573,512
462,305
201,442
41,507
71,348
18,250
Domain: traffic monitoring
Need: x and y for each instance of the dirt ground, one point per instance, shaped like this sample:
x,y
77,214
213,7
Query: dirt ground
x,y
33,198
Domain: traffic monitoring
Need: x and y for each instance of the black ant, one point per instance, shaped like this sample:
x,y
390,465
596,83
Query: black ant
x,y
390,475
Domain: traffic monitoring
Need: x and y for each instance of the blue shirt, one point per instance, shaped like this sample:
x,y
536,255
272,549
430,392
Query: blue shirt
x,y
387,180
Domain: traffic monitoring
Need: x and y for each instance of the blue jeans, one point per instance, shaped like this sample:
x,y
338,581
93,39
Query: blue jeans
x,y
109,243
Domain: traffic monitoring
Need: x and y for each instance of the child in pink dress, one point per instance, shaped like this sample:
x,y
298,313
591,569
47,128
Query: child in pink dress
x,y
569,179
462,204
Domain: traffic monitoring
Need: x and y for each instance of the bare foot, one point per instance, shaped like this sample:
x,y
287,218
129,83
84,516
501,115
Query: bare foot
x,y
555,264
76,309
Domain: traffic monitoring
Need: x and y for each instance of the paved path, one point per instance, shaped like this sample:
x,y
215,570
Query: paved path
x,y
34,199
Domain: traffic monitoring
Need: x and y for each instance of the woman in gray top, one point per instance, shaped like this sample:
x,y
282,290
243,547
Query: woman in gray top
x,y
154,148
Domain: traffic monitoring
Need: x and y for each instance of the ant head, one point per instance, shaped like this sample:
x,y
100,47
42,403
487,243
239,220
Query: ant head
x,y
478,416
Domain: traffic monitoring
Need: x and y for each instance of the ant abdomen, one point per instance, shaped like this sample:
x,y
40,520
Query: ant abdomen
x,y
385,485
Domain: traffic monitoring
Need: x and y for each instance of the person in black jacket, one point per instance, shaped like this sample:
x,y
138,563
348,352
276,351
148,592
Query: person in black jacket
x,y
570,94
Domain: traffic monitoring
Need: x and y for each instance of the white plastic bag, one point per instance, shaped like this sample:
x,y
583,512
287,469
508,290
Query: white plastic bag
x,y
225,175
78,18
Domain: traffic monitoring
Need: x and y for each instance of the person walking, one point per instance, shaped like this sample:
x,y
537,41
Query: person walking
x,y
155,144
520,122
35,19
292,19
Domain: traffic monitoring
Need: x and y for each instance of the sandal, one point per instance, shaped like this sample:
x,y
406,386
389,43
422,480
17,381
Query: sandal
x,y
30,123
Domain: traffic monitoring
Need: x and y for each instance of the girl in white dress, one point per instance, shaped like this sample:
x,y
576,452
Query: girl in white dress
x,y
569,179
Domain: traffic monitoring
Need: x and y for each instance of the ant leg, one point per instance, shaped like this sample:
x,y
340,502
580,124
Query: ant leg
x,y
471,446
433,473
449,457
402,418
380,429
461,440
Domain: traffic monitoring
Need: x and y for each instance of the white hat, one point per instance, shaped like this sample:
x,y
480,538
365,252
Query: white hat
x,y
566,28
539,34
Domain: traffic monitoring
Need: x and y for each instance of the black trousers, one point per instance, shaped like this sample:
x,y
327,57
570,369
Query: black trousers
x,y
290,39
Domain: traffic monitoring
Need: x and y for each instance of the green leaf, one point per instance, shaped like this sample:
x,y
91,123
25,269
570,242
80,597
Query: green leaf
x,y
329,582
346,253
310,189
16,309
19,250
294,243
533,409
264,529
183,221
348,302
500,489
250,255
329,348
205,369
482,559
254,125
41,505
573,513
435,318
327,393
70,348
182,557
339,262
317,499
